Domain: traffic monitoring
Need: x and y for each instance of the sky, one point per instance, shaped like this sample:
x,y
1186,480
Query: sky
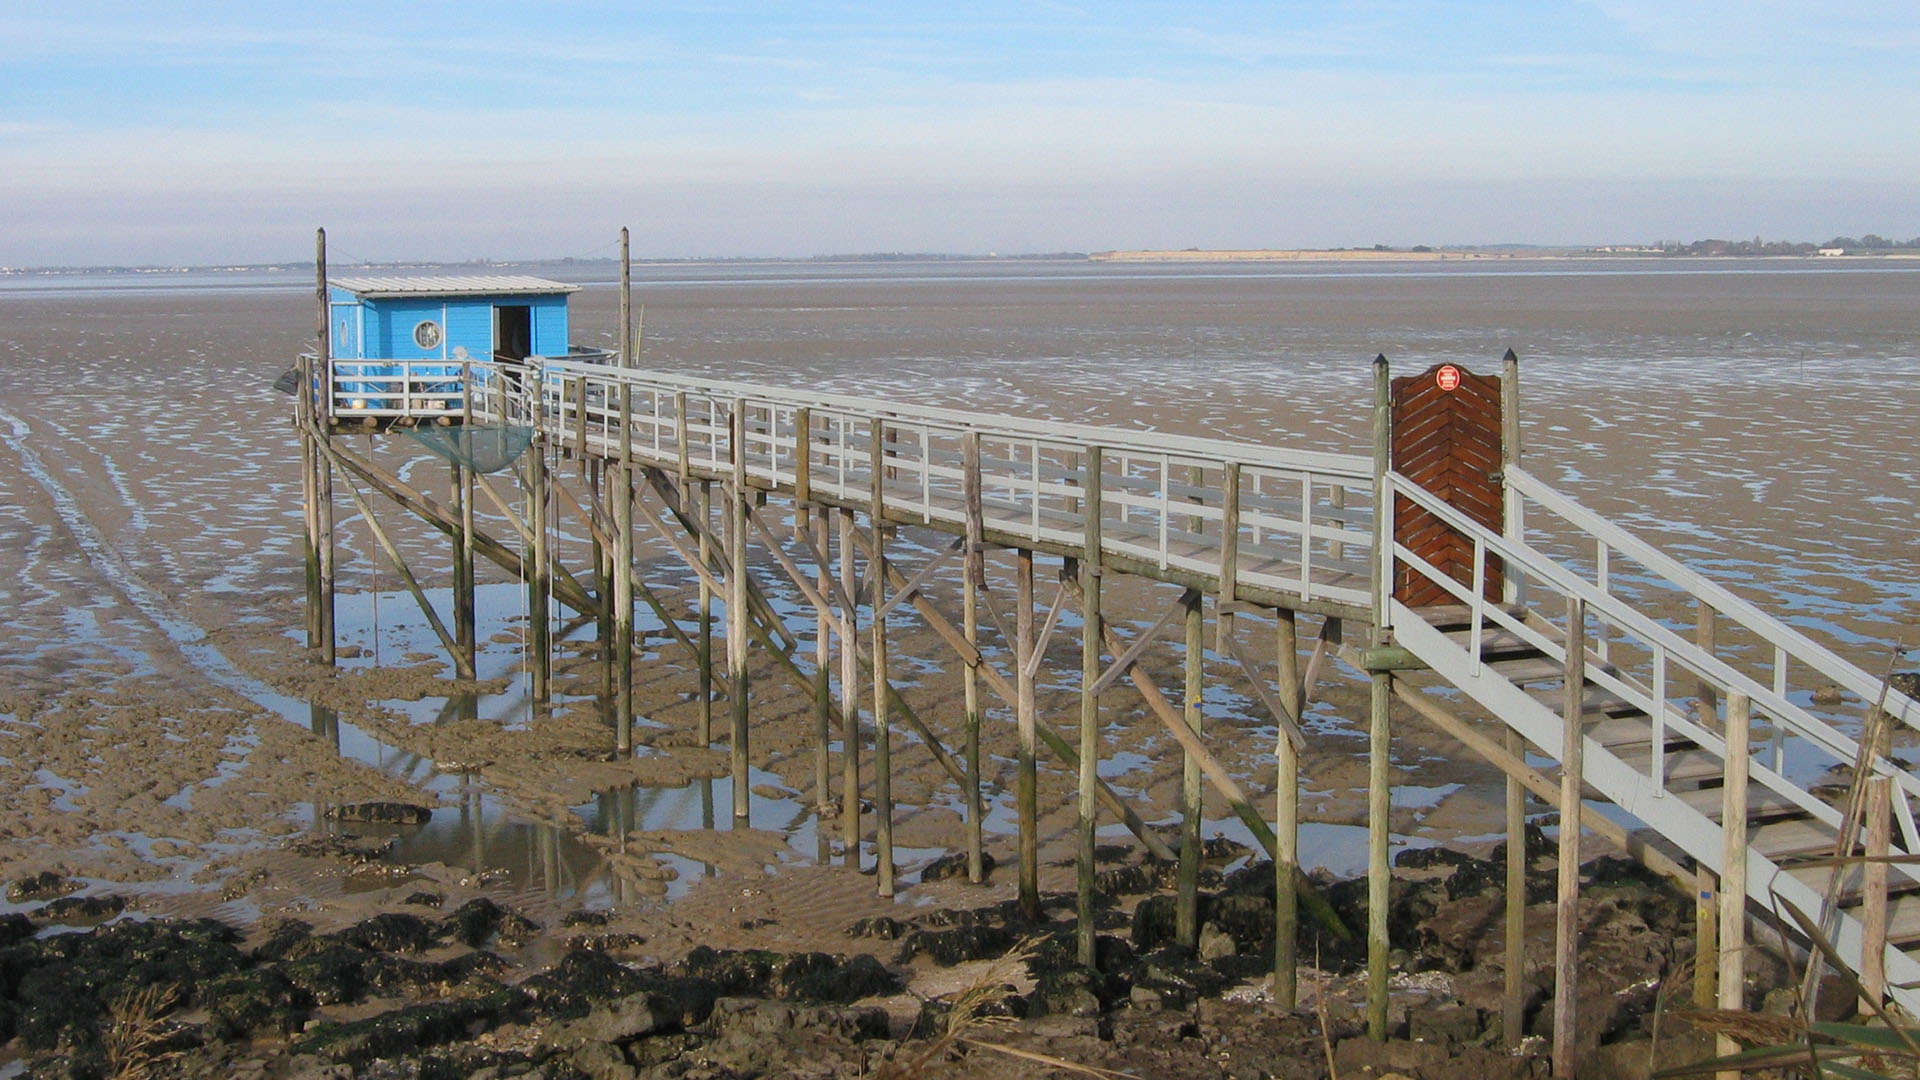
x,y
209,133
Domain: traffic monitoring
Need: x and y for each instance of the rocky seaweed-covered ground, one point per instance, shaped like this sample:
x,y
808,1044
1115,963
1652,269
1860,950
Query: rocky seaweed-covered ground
x,y
422,992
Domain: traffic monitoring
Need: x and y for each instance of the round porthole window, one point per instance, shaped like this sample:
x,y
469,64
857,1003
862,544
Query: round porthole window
x,y
427,334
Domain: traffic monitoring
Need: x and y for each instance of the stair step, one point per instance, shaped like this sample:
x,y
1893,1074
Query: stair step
x,y
1903,918
1849,892
1684,768
1618,731
1598,702
1788,837
1763,804
1495,642
1460,616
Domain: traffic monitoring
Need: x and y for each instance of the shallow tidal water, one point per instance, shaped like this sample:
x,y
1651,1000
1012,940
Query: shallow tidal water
x,y
1754,418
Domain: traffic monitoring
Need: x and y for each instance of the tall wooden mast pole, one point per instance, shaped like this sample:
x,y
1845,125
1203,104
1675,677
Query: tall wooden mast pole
x,y
623,523
629,348
323,469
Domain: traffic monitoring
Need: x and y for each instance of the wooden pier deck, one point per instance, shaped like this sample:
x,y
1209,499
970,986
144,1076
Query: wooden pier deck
x,y
1552,639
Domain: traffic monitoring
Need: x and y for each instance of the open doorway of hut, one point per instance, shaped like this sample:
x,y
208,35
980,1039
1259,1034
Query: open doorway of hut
x,y
512,332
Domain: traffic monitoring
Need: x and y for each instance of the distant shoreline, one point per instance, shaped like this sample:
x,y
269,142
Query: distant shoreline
x,y
1195,255
1142,256
1311,255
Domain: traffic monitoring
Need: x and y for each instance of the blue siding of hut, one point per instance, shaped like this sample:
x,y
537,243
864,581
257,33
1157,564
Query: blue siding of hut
x,y
549,325
469,325
383,328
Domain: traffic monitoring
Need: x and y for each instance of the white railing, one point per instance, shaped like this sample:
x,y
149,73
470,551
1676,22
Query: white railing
x,y
1301,521
399,388
1789,662
1642,661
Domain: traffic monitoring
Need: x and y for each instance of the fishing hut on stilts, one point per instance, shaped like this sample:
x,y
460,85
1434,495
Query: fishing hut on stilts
x,y
1467,593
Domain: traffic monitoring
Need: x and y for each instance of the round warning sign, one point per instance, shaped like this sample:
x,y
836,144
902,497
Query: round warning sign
x,y
1448,378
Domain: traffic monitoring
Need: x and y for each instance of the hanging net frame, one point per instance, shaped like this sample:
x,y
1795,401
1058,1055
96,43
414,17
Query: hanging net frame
x,y
484,448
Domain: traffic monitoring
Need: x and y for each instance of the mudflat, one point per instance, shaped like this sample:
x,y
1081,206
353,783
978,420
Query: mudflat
x,y
166,740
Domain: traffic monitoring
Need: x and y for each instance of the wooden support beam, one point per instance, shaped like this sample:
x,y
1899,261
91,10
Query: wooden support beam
x,y
1124,662
849,696
461,662
465,580
1873,888
319,412
566,590
1222,782
1513,991
1090,625
1186,906
973,579
1286,813
1379,828
910,590
1513,763
704,651
1283,719
1733,874
1566,930
623,572
309,497
816,540
1026,795
882,735
539,573
737,676
757,604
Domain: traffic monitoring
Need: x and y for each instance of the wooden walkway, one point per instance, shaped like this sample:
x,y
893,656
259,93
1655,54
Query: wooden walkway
x,y
1549,621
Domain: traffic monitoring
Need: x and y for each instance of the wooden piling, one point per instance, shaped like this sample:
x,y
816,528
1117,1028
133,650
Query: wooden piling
x,y
623,576
1873,887
736,542
817,539
1706,937
1733,868
1566,929
849,693
599,474
629,343
882,736
1514,990
1026,712
539,571
1090,571
1286,814
1379,702
1186,907
810,531
703,657
309,497
973,579
322,417
1379,825
464,578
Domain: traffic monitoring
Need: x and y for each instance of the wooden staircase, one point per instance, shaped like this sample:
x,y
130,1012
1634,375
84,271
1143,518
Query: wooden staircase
x,y
1512,659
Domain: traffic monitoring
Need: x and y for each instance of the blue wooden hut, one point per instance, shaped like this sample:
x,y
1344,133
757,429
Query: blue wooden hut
x,y
400,344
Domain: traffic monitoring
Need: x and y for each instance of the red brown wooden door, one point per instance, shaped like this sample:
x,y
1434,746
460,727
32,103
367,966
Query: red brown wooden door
x,y
1446,438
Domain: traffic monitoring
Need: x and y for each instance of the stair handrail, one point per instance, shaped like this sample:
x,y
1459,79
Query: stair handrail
x,y
1687,654
1768,628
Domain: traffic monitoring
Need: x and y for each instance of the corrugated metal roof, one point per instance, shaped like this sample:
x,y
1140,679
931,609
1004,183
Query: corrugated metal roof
x,y
488,285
